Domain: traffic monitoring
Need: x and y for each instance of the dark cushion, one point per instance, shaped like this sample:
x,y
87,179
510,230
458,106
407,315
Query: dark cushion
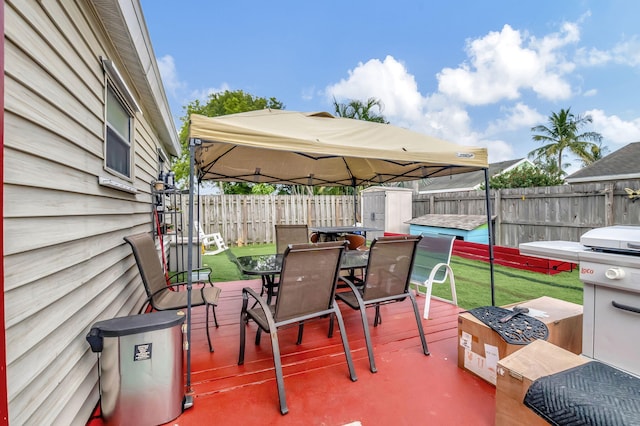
x,y
590,394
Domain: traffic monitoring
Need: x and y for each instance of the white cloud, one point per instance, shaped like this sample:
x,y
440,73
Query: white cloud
x,y
517,117
592,57
502,64
613,129
626,52
203,94
387,81
167,68
498,150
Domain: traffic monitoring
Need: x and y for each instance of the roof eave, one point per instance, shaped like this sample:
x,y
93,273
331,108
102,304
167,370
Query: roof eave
x,y
124,22
602,178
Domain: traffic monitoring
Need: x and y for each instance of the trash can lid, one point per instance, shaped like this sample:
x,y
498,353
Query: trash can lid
x,y
123,326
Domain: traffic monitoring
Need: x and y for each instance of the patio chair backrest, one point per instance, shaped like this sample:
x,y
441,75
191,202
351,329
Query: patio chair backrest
x,y
146,255
308,279
389,266
355,241
290,234
432,250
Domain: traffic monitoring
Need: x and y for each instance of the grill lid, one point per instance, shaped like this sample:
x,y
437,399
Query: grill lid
x,y
619,238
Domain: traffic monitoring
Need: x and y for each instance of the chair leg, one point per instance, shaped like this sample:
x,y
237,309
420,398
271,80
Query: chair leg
x,y
330,334
300,331
215,317
427,299
206,307
275,347
243,320
378,319
367,339
345,343
452,281
425,349
258,334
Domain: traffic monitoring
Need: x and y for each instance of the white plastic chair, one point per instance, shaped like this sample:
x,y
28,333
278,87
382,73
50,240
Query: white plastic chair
x,y
211,243
432,266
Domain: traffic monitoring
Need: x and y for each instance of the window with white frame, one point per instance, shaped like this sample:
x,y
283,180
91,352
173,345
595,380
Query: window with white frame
x,y
121,108
118,135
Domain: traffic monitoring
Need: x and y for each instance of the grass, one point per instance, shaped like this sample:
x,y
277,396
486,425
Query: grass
x,y
472,279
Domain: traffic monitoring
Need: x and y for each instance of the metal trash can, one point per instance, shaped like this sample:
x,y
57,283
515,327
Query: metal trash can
x,y
140,365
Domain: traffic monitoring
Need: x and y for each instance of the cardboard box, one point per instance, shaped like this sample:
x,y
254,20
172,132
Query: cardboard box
x,y
480,348
517,371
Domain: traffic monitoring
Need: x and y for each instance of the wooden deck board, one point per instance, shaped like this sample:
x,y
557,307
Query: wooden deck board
x,y
409,387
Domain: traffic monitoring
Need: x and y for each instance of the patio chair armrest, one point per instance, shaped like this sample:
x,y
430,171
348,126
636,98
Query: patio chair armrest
x,y
167,288
355,290
351,285
246,291
181,275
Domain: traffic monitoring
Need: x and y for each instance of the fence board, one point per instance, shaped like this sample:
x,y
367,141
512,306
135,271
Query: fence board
x,y
562,212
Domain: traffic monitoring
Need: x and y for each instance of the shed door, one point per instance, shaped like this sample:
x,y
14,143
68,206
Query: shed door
x,y
373,212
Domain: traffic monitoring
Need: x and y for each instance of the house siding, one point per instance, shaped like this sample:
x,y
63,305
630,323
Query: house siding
x,y
66,266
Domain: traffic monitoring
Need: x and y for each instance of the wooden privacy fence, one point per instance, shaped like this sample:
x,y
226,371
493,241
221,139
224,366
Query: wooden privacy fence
x,y
562,212
250,219
522,214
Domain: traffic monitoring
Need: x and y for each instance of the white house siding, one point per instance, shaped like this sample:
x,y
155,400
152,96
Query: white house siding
x,y
66,266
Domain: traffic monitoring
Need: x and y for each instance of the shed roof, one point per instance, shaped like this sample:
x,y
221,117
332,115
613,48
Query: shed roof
x,y
466,222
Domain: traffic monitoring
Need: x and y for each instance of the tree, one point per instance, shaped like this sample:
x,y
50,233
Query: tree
x,y
222,103
563,133
524,176
595,153
360,110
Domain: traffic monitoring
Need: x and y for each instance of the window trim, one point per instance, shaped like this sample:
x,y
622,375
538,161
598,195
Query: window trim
x,y
115,83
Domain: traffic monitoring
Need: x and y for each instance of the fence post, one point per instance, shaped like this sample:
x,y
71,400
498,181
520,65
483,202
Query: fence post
x,y
608,206
497,211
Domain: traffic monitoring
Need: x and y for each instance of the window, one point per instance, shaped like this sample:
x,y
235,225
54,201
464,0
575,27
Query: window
x,y
121,107
118,135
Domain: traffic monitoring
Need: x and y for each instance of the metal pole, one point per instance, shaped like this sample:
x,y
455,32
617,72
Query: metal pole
x,y
355,201
192,143
490,230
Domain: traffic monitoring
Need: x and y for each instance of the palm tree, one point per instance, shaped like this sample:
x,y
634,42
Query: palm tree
x,y
563,134
360,110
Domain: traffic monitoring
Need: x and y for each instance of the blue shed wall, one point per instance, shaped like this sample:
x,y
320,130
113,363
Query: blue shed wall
x,y
477,235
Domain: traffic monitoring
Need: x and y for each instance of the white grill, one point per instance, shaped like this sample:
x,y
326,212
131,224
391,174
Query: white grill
x,y
609,262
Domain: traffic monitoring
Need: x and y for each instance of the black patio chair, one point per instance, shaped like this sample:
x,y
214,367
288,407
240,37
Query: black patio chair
x,y
163,295
307,291
290,234
386,280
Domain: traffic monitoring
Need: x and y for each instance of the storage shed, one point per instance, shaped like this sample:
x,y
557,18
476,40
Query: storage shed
x,y
472,228
387,208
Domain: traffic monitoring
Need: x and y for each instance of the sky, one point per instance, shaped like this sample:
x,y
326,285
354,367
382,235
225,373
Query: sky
x,y
479,73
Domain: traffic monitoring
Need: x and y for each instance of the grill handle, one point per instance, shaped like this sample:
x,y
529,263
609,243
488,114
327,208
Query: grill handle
x,y
633,246
625,307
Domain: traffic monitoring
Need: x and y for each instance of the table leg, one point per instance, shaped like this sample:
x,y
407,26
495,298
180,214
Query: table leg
x,y
269,282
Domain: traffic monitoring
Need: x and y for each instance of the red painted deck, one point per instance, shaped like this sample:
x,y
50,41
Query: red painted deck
x,y
409,387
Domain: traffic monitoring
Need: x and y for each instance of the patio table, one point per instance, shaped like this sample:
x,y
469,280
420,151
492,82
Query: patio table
x,y
331,233
267,266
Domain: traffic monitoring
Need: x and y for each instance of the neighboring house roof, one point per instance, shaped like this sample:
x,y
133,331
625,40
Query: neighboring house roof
x,y
469,181
124,21
619,165
466,222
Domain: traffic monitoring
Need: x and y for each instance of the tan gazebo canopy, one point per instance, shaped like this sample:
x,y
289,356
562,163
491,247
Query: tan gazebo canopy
x,y
289,147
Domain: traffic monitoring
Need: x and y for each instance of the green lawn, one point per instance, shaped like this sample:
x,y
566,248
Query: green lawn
x,y
472,280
